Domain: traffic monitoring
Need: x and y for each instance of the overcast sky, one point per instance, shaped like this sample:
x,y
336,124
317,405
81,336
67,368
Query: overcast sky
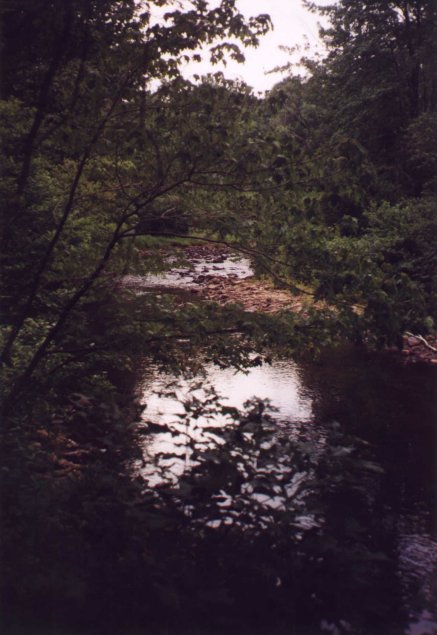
x,y
293,25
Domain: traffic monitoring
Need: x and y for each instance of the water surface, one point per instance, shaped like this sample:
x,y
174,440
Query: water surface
x,y
370,423
389,412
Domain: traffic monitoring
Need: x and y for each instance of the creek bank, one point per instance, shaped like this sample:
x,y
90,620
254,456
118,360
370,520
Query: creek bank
x,y
209,276
416,348
253,295
219,274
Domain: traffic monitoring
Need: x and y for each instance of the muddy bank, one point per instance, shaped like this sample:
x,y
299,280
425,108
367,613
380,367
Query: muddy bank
x,y
216,273
253,295
419,349
237,287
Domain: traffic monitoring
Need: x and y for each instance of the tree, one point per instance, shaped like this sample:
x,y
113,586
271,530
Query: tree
x,y
90,149
381,74
356,184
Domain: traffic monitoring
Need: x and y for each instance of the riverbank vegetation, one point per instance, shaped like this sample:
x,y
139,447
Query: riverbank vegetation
x,y
328,183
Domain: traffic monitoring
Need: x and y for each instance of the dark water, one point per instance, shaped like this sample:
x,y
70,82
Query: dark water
x,y
377,545
394,408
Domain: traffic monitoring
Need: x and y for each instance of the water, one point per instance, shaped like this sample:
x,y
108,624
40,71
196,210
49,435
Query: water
x,y
184,278
389,413
382,515
163,398
393,408
279,383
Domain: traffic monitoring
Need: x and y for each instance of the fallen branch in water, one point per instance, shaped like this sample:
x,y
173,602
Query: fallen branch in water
x,y
422,340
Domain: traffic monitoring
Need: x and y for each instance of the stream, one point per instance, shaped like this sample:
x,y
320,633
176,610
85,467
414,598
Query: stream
x,y
383,414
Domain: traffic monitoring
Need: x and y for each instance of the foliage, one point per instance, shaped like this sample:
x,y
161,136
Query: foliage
x,y
93,157
236,534
328,184
380,76
353,214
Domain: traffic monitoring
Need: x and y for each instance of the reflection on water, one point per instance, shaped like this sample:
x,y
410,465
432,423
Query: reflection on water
x,y
164,396
185,277
418,572
278,382
391,409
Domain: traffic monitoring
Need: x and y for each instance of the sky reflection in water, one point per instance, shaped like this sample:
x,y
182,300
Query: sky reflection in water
x,y
363,394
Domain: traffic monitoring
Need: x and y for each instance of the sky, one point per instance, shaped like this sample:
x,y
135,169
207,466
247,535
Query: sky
x,y
293,26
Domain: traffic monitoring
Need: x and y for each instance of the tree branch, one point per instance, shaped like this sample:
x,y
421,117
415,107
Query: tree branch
x,y
421,339
7,349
